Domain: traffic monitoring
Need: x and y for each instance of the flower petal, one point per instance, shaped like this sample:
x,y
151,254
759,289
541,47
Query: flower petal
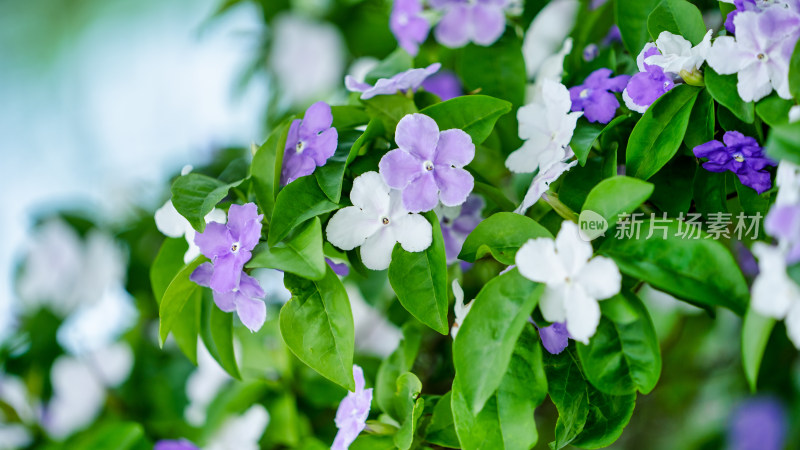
x,y
537,261
250,287
600,278
371,194
170,222
349,227
413,232
418,134
215,240
398,168
583,314
573,252
202,274
725,56
455,148
552,303
227,271
754,83
555,338
318,117
455,184
376,251
452,30
295,166
488,24
244,223
226,301
422,194
322,146
252,313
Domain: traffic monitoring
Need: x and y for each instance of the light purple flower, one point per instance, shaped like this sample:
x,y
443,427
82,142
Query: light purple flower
x,y
741,155
594,96
649,84
444,84
409,27
181,444
758,423
310,142
457,223
783,223
340,269
351,417
228,245
479,21
246,298
555,338
428,165
792,6
409,80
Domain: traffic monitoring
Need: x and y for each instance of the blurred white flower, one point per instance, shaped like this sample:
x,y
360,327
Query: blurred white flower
x,y
374,334
94,327
546,35
677,53
172,224
241,433
203,385
774,294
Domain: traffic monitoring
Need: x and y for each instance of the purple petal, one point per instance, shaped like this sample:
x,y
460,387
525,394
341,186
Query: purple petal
x,y
249,286
734,138
488,23
445,85
452,30
244,223
202,274
758,423
646,87
707,149
182,444
783,221
226,301
295,166
575,98
318,118
398,168
340,269
252,313
293,136
601,108
455,148
454,183
352,85
227,272
409,28
417,134
597,79
756,179
617,84
214,241
452,243
322,146
555,338
422,194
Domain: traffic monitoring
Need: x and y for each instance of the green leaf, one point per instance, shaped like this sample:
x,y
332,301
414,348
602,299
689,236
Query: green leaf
x,y
348,117
486,339
317,326
583,139
497,70
374,129
755,335
703,121
658,134
216,330
678,17
420,280
701,270
330,177
501,235
299,201
301,254
475,114
586,417
195,195
441,430
751,202
400,361
631,18
794,73
481,430
723,89
265,169
389,109
784,143
623,355
774,110
410,408
180,290
617,195
398,61
110,436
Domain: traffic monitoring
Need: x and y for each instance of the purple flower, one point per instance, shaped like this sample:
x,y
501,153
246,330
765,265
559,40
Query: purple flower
x,y
245,298
613,35
409,80
590,52
445,84
182,444
741,155
555,338
481,22
409,27
340,269
428,165
458,223
228,245
593,96
649,84
783,223
310,142
758,424
351,417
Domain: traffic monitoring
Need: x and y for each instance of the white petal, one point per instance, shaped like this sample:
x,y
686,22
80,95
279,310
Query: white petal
x,y
754,83
566,128
640,57
583,314
371,194
534,154
532,120
556,98
552,303
573,252
630,103
216,215
241,432
376,251
413,232
547,31
793,324
541,182
773,291
350,227
537,261
169,221
726,57
672,44
600,278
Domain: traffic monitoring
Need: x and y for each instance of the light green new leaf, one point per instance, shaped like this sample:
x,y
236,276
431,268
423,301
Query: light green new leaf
x,y
616,195
487,337
301,254
475,114
410,408
657,136
348,117
299,201
420,280
194,196
501,235
497,71
317,326
755,335
723,89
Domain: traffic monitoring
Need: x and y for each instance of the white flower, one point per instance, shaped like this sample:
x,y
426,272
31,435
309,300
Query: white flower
x,y
545,36
374,334
678,54
552,69
460,308
574,282
376,222
546,128
541,182
241,433
774,294
787,179
172,224
203,385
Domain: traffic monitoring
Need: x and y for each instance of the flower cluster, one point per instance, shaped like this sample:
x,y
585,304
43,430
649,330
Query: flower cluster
x,y
741,155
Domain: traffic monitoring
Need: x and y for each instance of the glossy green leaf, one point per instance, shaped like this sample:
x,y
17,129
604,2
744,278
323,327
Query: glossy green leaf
x,y
583,139
623,355
420,280
194,196
658,134
373,130
702,120
784,143
678,17
410,408
486,339
501,235
300,254
481,430
701,270
723,89
794,73
774,110
755,335
265,169
317,326
617,195
348,117
299,201
475,114
397,61
400,361
441,429
180,290
110,436
497,70
216,330
389,109
751,202
330,176
631,18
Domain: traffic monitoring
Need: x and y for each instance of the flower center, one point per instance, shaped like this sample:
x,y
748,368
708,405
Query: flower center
x,y
428,165
738,157
761,56
300,146
235,247
584,93
666,85
385,220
